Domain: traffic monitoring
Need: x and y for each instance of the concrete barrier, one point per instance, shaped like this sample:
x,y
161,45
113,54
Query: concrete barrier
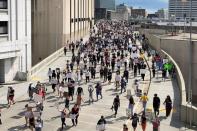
x,y
34,70
164,46
47,61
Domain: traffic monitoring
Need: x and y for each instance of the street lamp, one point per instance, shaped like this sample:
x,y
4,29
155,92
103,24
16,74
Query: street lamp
x,y
190,61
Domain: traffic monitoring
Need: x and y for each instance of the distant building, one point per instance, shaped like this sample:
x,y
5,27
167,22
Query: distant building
x,y
108,4
138,13
57,21
181,8
123,12
152,16
162,14
100,13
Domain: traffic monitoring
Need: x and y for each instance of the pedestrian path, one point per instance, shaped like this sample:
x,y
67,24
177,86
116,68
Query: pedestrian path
x,y
89,114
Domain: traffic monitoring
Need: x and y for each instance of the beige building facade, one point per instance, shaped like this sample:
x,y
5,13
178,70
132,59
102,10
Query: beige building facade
x,y
54,22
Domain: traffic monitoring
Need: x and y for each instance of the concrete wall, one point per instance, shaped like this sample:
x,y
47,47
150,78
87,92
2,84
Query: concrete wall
x,y
57,21
179,51
15,46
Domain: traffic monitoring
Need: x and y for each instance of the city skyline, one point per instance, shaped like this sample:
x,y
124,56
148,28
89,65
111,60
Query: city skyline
x,y
150,5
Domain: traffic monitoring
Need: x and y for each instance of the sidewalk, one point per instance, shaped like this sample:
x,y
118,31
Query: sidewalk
x,y
22,88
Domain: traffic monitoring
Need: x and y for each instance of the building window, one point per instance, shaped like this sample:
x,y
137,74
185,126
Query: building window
x,y
72,20
3,27
3,4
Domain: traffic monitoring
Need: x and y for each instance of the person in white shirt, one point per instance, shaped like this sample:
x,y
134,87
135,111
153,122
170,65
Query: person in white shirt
x,y
87,74
69,76
117,80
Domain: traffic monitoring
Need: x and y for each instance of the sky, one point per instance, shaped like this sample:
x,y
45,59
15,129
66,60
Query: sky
x,y
150,5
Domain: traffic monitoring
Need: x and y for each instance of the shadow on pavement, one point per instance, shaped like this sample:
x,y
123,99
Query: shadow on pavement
x,y
18,128
64,129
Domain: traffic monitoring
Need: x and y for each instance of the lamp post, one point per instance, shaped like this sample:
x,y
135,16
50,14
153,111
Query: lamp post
x,y
190,63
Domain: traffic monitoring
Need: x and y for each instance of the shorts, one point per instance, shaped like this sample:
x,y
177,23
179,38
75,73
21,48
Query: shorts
x,y
11,98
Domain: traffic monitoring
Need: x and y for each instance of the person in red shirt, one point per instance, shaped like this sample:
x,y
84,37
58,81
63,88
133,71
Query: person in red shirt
x,y
75,114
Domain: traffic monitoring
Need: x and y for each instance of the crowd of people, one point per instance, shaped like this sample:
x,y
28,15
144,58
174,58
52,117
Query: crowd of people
x,y
112,51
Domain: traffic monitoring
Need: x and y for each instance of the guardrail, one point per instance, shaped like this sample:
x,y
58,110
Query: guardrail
x,y
34,70
188,113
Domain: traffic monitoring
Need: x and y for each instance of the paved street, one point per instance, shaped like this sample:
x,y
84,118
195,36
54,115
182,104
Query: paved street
x,y
13,118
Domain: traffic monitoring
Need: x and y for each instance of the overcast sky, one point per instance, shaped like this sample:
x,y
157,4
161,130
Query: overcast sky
x,y
150,5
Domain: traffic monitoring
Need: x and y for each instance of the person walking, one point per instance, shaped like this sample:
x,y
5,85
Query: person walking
x,y
135,121
109,76
10,95
143,121
63,117
0,118
168,105
156,124
125,128
38,124
87,74
30,91
126,75
75,114
156,104
144,99
90,91
116,105
49,74
117,80
123,84
101,124
98,90
131,105
31,120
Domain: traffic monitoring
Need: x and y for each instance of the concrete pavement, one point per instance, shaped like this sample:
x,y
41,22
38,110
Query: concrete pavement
x,y
13,118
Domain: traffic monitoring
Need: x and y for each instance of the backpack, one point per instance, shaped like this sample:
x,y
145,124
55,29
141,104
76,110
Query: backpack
x,y
12,91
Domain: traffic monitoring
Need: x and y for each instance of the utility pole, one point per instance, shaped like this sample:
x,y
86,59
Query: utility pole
x,y
190,66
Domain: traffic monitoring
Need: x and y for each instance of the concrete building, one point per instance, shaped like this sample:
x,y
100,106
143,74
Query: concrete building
x,y
123,12
138,13
179,8
57,21
162,14
15,38
108,4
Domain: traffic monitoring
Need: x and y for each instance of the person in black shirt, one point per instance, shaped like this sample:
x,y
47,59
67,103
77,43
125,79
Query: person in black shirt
x,y
126,75
116,104
109,76
79,91
101,121
156,104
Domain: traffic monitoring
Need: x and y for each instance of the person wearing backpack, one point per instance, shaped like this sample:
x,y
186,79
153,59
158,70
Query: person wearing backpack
x,y
101,124
135,121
